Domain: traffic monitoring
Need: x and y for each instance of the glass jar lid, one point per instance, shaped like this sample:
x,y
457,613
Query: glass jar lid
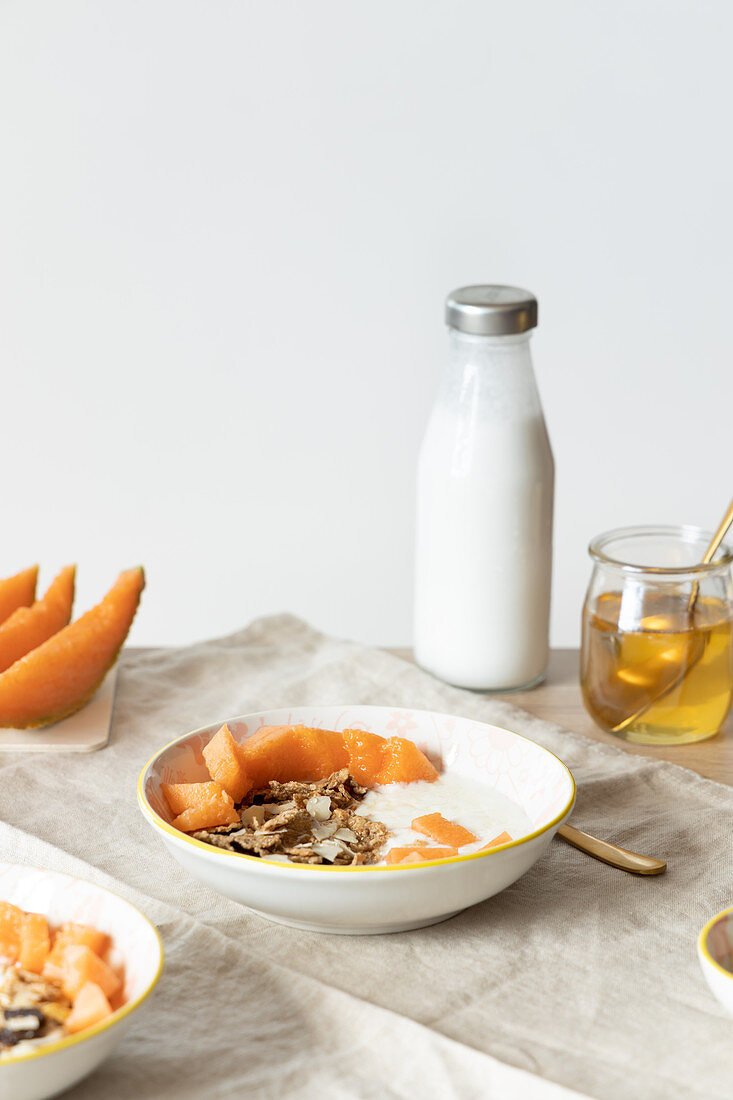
x,y
491,310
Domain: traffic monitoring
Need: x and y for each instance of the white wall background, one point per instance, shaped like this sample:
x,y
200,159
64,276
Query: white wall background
x,y
227,229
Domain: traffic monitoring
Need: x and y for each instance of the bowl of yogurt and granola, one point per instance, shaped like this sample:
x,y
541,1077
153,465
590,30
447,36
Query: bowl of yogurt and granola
x,y
355,820
76,962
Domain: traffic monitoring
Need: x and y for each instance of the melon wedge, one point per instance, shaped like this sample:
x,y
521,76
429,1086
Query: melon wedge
x,y
18,591
59,676
29,627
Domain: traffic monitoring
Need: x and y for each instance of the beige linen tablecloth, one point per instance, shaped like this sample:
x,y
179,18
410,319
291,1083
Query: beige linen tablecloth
x,y
577,976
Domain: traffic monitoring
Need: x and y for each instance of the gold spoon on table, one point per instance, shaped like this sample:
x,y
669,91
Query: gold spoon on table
x,y
696,650
610,853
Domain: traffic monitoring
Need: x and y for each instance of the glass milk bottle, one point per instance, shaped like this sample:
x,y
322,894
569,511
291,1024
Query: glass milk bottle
x,y
484,502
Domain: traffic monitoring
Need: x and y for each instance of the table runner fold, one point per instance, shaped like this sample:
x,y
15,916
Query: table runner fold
x,y
578,977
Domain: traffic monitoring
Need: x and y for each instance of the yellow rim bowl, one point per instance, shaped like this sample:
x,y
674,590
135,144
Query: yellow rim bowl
x,y
205,731
125,1010
702,943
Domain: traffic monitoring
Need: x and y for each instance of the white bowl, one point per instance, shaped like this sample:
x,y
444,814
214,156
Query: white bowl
x,y
715,951
366,900
51,1069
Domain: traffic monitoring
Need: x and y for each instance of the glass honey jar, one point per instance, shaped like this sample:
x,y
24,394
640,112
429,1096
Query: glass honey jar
x,y
657,653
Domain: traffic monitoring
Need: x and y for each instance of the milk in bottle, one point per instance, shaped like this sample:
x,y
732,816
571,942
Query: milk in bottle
x,y
484,502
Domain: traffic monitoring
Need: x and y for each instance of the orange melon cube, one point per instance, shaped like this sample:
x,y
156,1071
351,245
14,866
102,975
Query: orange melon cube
x,y
11,929
502,838
187,796
404,763
366,755
225,765
205,817
90,1007
70,934
268,751
404,855
35,942
199,806
81,965
444,831
292,752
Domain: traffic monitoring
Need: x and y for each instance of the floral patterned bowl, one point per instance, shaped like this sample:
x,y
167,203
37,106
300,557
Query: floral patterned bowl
x,y
366,900
136,946
715,951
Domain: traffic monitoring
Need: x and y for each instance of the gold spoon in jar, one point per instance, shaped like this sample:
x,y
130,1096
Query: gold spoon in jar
x,y
696,650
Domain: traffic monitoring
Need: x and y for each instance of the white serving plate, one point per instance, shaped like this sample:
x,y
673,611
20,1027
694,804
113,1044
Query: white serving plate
x,y
715,951
54,1068
367,900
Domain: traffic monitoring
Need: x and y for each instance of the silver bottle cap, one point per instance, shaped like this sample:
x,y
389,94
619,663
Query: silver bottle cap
x,y
491,310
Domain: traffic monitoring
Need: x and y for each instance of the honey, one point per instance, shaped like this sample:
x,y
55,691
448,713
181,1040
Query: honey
x,y
672,668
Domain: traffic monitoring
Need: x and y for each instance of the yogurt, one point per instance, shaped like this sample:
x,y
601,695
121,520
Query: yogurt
x,y
483,811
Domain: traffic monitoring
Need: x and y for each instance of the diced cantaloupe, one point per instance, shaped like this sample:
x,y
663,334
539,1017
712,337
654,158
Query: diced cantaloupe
x,y
90,1007
285,753
35,942
292,752
81,965
404,763
11,930
399,855
199,805
271,752
366,754
225,764
444,831
72,933
183,796
205,817
502,838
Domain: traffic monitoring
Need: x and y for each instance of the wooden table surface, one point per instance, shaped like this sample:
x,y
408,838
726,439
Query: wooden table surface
x,y
558,700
